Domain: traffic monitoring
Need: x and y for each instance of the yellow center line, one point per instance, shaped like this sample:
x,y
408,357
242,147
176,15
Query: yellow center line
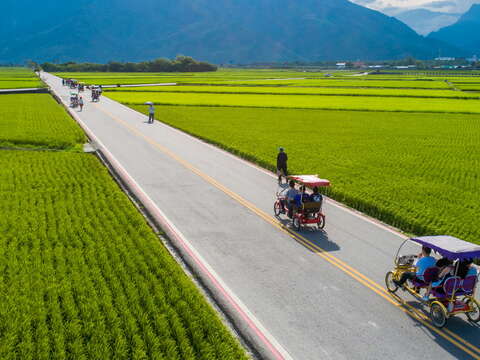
x,y
355,274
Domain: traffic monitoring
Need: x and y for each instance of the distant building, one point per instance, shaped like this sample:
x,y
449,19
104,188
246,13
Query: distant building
x,y
341,65
473,59
403,67
444,58
359,65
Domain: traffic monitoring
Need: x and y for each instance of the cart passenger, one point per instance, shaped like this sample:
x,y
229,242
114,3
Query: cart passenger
x,y
316,196
301,197
424,262
465,269
289,197
472,271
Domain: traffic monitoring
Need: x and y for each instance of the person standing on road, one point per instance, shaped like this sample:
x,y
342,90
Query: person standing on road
x,y
282,159
151,114
80,103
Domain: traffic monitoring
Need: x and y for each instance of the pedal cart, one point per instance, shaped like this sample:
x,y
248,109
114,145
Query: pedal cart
x,y
73,100
447,298
309,213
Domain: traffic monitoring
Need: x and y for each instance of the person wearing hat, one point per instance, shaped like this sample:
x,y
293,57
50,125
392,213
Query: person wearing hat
x,y
282,159
151,113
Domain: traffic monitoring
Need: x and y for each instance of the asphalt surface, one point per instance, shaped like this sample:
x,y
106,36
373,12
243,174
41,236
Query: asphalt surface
x,y
320,296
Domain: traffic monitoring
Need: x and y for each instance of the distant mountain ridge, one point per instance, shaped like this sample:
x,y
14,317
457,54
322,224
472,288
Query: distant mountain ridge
x,y
464,33
425,21
224,31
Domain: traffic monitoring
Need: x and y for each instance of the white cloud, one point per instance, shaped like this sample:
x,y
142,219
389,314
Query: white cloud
x,y
389,6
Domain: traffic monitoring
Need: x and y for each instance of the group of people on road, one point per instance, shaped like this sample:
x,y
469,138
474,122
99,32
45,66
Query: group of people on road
x,y
294,199
71,83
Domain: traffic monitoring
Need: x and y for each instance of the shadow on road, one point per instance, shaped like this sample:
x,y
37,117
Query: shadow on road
x,y
458,328
310,237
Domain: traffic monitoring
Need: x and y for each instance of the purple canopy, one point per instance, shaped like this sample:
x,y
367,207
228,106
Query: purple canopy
x,y
450,247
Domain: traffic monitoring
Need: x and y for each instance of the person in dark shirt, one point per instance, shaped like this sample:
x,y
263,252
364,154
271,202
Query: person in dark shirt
x,y
301,197
282,159
316,196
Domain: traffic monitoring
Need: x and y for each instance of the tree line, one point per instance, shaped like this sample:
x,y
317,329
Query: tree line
x,y
179,64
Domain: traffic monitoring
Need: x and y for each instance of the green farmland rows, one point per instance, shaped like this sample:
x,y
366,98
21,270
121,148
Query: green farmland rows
x,y
82,276
301,91
350,82
414,171
36,120
398,104
152,78
16,78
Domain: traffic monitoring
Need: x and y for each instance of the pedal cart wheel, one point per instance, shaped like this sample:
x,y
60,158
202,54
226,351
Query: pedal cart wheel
x,y
391,286
438,314
277,208
296,223
321,223
473,315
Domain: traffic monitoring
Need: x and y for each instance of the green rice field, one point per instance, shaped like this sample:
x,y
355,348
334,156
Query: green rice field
x,y
289,90
82,275
152,78
17,78
391,104
36,120
414,171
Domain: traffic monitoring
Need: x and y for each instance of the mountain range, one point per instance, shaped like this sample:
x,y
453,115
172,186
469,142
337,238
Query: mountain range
x,y
221,31
464,33
425,21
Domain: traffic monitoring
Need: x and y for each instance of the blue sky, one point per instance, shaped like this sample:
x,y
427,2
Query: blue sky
x,y
391,6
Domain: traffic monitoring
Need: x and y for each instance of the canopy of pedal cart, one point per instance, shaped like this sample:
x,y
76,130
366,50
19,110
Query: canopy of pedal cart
x,y
310,180
450,247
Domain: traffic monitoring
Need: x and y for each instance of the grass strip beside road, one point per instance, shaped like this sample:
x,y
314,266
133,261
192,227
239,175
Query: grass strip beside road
x,y
403,170
84,276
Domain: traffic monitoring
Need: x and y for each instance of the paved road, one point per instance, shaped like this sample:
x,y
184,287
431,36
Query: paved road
x,y
318,296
